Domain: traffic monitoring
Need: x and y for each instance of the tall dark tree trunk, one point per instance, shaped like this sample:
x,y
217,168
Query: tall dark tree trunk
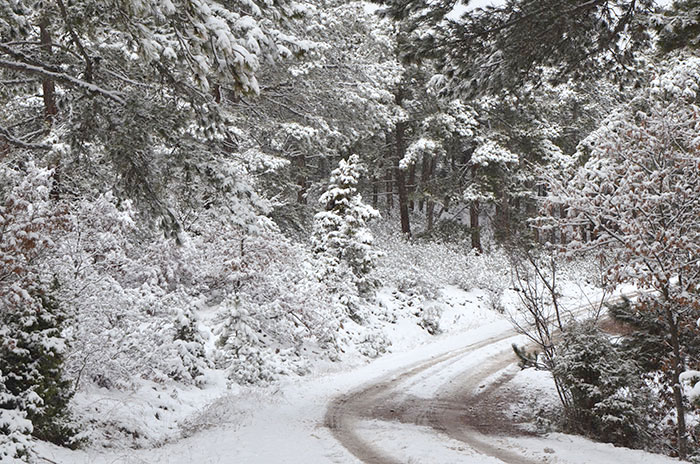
x,y
301,179
562,213
399,174
430,214
375,191
48,88
678,367
474,216
411,186
474,225
430,204
403,197
389,188
424,177
504,218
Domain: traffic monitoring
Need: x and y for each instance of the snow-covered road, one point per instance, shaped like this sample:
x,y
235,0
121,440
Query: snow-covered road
x,y
433,395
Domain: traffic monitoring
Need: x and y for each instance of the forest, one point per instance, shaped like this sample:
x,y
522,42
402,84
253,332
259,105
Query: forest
x,y
212,196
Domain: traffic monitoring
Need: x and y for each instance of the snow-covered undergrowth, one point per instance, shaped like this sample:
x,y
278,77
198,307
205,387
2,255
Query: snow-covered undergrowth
x,y
165,334
283,321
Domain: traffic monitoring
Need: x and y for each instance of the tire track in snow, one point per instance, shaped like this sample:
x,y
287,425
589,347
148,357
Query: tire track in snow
x,y
447,412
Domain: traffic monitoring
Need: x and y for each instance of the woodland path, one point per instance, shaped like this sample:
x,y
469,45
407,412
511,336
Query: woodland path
x,y
464,408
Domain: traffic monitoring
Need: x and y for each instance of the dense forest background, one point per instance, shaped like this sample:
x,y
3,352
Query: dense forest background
x,y
278,162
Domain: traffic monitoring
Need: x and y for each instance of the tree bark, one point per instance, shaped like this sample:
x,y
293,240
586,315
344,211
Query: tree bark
x,y
424,177
677,361
301,179
399,174
411,186
474,216
403,198
389,188
430,206
375,191
474,225
47,84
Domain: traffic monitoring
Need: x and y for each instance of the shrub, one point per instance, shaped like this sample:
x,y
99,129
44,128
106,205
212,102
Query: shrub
x,y
603,387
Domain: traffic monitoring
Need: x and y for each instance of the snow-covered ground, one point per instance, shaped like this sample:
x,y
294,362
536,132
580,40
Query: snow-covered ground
x,y
284,423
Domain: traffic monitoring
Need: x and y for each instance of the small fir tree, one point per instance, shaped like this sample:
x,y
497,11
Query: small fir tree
x,y
15,428
243,357
604,388
341,231
189,344
31,356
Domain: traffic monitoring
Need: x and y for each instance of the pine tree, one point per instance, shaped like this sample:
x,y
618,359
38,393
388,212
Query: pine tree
x,y
341,232
520,42
189,344
15,428
31,357
604,387
242,350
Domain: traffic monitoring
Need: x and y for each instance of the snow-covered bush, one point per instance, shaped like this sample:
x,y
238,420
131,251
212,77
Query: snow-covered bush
x,y
430,319
421,267
372,343
606,398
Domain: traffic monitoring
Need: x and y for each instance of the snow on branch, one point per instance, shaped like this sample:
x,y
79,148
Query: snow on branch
x,y
6,135
63,77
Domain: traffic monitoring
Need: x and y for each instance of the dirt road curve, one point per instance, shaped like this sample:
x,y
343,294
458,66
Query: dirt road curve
x,y
459,409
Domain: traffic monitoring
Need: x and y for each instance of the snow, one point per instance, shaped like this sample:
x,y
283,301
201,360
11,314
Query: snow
x,y
570,449
420,445
283,423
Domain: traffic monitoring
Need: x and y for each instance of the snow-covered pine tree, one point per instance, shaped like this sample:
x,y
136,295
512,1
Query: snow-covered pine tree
x,y
603,386
31,356
485,50
15,428
242,352
340,232
189,344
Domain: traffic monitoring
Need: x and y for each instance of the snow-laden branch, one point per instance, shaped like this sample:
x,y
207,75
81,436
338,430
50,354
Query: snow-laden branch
x,y
6,135
63,77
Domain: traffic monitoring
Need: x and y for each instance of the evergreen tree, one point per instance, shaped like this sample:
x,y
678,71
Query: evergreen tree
x,y
189,344
15,428
242,350
341,231
602,385
31,358
519,42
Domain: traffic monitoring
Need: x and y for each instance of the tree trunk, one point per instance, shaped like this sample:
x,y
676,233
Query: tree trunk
x,y
474,215
411,186
677,361
399,174
504,218
430,214
389,187
474,225
301,179
48,88
430,206
375,191
403,198
562,214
